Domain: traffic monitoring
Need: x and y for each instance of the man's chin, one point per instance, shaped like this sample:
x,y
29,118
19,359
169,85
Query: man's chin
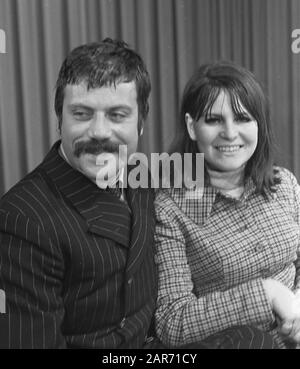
x,y
87,166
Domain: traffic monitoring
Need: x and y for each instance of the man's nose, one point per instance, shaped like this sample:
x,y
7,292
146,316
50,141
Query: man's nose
x,y
100,127
229,130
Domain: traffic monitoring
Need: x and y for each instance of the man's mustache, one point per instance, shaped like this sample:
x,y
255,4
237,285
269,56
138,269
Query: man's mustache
x,y
95,147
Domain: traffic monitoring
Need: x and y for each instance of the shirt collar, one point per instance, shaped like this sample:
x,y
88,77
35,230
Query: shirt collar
x,y
249,189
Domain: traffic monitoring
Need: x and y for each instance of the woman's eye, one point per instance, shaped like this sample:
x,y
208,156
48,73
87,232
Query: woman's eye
x,y
212,120
243,119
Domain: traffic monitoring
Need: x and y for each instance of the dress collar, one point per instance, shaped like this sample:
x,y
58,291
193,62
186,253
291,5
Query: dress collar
x,y
230,183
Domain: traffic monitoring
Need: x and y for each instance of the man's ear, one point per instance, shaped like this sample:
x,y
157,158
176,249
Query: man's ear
x,y
190,126
141,129
58,128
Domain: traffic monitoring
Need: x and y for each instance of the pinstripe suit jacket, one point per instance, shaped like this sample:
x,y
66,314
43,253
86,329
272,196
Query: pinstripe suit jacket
x,y
77,269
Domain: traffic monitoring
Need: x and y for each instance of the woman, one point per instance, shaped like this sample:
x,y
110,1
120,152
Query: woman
x,y
230,256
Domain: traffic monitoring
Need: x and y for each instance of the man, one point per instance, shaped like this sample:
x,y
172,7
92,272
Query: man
x,y
77,266
77,261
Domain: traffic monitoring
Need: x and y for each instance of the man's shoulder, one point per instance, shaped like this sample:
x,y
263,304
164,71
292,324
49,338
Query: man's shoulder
x,y
35,188
32,185
36,183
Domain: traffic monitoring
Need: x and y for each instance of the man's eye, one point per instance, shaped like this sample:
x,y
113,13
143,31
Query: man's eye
x,y
81,115
117,117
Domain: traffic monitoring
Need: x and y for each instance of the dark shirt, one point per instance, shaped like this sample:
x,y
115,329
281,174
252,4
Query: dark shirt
x,y
76,266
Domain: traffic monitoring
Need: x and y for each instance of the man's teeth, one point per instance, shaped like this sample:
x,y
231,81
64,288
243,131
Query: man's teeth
x,y
229,148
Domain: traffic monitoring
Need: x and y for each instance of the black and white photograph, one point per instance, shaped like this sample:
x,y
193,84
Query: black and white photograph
x,y
149,177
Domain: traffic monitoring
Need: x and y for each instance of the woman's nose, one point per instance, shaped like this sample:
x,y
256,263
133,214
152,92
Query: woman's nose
x,y
229,130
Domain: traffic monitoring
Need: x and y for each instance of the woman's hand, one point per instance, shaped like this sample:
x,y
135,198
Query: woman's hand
x,y
286,305
291,329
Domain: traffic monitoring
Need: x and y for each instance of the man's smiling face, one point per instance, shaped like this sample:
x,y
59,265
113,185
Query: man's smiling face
x,y
98,120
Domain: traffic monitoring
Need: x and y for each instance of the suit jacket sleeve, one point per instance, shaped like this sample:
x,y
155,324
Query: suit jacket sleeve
x,y
31,272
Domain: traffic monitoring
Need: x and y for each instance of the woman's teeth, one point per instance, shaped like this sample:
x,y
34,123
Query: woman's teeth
x,y
229,148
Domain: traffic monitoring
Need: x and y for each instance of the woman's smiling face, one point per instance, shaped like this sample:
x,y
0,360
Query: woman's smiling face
x,y
227,140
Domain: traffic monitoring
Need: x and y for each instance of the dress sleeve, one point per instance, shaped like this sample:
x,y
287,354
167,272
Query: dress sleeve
x,y
181,316
31,272
296,204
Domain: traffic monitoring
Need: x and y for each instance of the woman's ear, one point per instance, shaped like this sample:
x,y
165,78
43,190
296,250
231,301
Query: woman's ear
x,y
190,126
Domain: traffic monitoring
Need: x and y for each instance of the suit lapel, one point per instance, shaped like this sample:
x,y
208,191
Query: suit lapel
x,y
104,213
141,203
109,217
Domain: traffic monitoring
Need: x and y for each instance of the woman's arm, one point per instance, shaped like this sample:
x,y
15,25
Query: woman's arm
x,y
181,317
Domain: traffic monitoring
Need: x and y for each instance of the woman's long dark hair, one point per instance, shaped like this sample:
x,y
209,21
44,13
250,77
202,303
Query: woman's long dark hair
x,y
199,95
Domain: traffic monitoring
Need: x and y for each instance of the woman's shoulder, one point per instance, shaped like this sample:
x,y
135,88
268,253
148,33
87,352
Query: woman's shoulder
x,y
166,203
287,187
287,178
179,203
169,196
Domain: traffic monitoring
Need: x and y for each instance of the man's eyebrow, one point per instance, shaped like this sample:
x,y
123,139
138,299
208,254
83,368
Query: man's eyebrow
x,y
79,105
113,107
120,106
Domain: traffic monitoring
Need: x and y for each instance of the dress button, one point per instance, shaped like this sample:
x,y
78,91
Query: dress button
x,y
259,247
206,242
122,324
129,281
243,228
148,339
265,273
240,205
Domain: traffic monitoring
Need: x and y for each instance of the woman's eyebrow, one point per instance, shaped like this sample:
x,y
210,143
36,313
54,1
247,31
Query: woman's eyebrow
x,y
243,113
211,114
